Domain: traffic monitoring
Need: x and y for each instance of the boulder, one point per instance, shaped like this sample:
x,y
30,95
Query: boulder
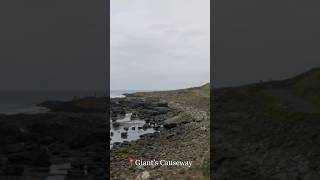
x,y
39,156
83,140
124,135
46,140
35,155
134,116
13,170
182,118
162,104
146,126
162,110
116,124
170,125
3,160
78,164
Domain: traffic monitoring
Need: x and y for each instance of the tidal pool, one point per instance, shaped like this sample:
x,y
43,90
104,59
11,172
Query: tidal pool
x,y
134,131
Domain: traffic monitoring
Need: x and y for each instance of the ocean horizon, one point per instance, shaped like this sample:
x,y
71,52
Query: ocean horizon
x,y
120,93
25,102
16,102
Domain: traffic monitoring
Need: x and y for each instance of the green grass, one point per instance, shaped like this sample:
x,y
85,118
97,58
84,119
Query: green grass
x,y
206,170
308,86
206,88
124,154
202,90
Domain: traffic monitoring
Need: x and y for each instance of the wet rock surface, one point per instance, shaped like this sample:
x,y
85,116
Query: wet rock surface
x,y
30,144
132,117
180,117
152,110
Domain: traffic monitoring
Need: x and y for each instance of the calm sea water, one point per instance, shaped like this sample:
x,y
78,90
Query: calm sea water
x,y
15,102
119,93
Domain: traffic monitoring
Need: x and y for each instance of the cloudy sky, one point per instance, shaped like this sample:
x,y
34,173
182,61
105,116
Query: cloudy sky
x,y
159,44
263,40
53,45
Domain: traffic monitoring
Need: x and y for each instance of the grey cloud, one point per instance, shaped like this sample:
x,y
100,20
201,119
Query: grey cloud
x,y
53,45
263,40
159,45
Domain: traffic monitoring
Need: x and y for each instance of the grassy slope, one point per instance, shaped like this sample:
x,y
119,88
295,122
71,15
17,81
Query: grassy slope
x,y
307,86
202,91
206,88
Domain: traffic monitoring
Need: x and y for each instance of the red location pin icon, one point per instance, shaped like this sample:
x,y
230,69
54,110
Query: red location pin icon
x,y
131,161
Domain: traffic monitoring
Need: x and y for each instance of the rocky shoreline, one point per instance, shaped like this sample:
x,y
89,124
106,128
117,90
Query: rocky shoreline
x,y
182,118
31,145
151,111
267,130
70,141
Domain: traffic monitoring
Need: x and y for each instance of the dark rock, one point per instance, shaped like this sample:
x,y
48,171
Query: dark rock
x,y
118,111
146,126
75,173
126,143
116,124
78,164
170,125
18,158
84,105
124,135
39,156
50,104
13,148
13,170
162,110
3,160
156,128
83,140
170,136
46,140
134,116
162,104
150,112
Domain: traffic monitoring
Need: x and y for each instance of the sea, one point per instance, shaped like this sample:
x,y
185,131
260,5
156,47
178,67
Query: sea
x,y
120,93
25,102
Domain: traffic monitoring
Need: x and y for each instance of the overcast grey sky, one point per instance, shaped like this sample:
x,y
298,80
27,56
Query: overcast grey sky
x,y
159,44
53,45
263,40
